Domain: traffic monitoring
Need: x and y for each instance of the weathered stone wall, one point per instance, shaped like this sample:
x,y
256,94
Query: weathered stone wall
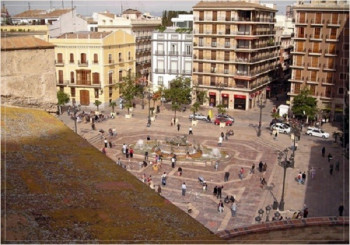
x,y
28,79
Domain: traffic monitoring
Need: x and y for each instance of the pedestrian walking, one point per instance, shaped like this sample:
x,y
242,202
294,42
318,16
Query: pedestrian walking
x,y
104,150
119,162
93,126
221,207
124,148
131,152
179,171
252,169
178,127
222,134
110,144
303,177
219,191
241,173
330,157
159,190
331,168
323,151
215,192
190,131
261,166
173,160
233,209
146,155
220,141
127,152
341,209
164,178
226,136
227,175
264,167
299,178
183,188
216,166
106,143
305,213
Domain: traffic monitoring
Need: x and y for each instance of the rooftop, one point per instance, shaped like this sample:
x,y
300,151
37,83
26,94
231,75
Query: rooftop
x,y
36,13
229,4
24,42
58,188
108,14
131,11
84,35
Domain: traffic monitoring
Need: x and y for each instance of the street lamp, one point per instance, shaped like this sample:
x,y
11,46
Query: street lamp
x,y
285,164
75,110
220,87
149,108
261,105
268,209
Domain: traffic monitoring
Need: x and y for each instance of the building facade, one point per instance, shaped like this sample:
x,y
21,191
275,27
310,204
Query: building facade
x,y
27,81
172,52
141,27
89,65
59,21
235,53
321,54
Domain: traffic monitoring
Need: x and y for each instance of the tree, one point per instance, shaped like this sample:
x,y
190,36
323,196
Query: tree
x,y
201,97
62,99
221,109
195,108
129,89
305,105
179,93
113,105
97,103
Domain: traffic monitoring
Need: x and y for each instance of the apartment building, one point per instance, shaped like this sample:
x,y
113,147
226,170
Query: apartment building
x,y
321,54
89,65
172,52
141,27
58,21
235,53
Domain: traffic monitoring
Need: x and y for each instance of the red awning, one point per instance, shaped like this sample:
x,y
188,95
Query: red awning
x,y
224,95
237,96
212,93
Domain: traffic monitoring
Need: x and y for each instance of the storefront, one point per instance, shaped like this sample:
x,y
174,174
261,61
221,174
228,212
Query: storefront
x,y
212,99
225,100
239,102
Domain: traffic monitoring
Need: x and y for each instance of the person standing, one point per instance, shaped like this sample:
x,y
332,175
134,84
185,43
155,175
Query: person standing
x,y
183,188
221,207
124,148
119,162
227,175
104,150
331,168
330,157
323,151
173,162
110,144
178,127
222,134
164,178
261,166
220,141
131,152
252,169
190,131
233,209
106,143
305,213
216,165
219,191
241,173
303,177
341,209
127,152
146,155
215,192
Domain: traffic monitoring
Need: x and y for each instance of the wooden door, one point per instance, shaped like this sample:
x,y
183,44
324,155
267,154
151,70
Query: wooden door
x,y
318,18
228,16
201,15
60,76
84,97
330,62
215,15
334,18
201,54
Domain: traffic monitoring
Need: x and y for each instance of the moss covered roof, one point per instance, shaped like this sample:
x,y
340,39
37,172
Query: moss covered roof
x,y
57,188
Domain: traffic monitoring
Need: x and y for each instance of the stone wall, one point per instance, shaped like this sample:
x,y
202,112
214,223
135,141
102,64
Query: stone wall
x,y
28,78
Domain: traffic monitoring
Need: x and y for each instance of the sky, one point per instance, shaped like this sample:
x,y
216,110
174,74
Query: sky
x,y
87,7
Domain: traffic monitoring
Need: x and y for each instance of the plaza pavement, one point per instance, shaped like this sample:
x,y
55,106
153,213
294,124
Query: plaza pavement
x,y
322,195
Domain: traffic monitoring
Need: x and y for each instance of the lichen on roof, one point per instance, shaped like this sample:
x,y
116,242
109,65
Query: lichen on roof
x,y
58,188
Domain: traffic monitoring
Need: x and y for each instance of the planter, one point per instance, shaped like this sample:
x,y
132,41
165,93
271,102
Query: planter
x,y
222,125
128,116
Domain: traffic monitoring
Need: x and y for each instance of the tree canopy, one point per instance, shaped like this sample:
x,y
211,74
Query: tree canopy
x,y
128,89
179,93
62,99
304,105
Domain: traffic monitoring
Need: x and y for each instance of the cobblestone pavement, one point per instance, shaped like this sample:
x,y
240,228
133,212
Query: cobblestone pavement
x,y
322,194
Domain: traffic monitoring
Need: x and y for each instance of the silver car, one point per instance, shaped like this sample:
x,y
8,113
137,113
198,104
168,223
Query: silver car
x,y
198,116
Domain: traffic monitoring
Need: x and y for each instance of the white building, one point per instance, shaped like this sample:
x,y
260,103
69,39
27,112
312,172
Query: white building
x,y
172,52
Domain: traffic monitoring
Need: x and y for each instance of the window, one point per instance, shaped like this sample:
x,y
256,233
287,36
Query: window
x,y
201,15
83,77
95,78
214,29
59,58
226,81
213,68
213,55
302,17
213,42
331,48
330,63
96,93
201,29
110,77
296,88
297,74
200,41
120,76
83,58
300,46
160,81
212,81
329,78
340,90
345,61
318,18
60,76
215,15
312,89
334,18
301,32
200,67
129,55
110,93
188,50
120,57
317,32
299,60
313,76
314,62
227,56
95,58
173,49
110,58
333,33
72,92
316,48
227,42
71,58
72,76
227,29
226,67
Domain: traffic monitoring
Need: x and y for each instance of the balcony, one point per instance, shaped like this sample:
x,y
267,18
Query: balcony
x,y
331,38
85,84
172,71
213,44
301,23
110,62
316,37
187,54
299,51
173,53
187,72
59,63
314,52
95,62
326,68
159,52
160,71
317,23
333,23
62,82
300,37
83,63
121,60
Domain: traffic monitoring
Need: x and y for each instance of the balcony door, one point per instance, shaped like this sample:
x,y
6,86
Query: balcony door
x,y
84,97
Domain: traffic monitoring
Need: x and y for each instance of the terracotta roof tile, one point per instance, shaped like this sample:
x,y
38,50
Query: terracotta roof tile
x,y
30,13
110,15
131,11
226,4
35,13
24,42
84,35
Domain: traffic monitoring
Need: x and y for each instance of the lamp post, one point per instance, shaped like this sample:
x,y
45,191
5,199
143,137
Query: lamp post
x,y
261,105
149,108
75,110
268,209
285,164
220,87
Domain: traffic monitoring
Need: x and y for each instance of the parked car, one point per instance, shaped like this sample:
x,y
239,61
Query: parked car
x,y
283,125
226,117
198,116
317,132
281,128
218,120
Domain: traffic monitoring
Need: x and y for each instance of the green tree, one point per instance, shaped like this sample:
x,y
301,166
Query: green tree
x,y
97,103
179,93
194,108
113,105
305,105
200,99
221,109
62,99
129,89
